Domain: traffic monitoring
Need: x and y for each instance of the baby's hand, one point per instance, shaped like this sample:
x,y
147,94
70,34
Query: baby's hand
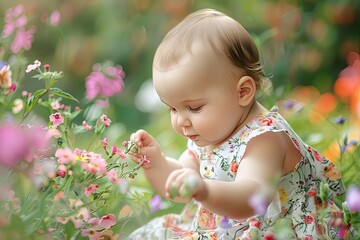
x,y
185,183
147,148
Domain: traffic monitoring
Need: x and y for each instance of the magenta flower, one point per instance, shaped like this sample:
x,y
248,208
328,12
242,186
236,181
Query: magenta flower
x,y
14,146
23,40
56,119
352,198
155,203
107,221
104,81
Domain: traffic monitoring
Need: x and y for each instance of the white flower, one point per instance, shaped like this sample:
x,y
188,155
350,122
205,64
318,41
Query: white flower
x,y
34,66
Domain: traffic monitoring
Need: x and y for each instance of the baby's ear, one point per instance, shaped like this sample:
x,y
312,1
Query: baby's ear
x,y
246,90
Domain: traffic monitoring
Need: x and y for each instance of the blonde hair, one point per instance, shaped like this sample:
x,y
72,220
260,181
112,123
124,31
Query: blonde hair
x,y
227,38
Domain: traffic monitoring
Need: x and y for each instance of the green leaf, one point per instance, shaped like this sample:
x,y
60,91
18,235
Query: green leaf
x,y
61,93
34,99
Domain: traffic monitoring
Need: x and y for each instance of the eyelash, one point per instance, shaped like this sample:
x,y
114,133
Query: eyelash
x,y
192,110
195,110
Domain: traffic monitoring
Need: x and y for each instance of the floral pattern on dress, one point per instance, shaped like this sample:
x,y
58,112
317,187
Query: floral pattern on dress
x,y
297,198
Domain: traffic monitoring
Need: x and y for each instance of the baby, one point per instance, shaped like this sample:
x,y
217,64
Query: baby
x,y
207,71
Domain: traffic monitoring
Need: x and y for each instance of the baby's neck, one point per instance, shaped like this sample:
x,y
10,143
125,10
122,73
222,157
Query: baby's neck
x,y
254,110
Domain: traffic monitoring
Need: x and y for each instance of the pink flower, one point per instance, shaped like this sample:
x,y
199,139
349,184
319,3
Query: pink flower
x,y
112,175
55,18
86,126
53,132
23,39
59,195
91,234
104,81
155,203
14,19
95,164
61,171
105,143
81,217
65,155
14,145
105,120
62,220
107,221
56,119
92,188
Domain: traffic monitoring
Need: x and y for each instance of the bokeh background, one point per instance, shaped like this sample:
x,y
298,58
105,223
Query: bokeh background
x,y
304,46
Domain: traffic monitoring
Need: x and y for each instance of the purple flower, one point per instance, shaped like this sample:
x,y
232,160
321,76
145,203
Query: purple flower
x,y
340,120
155,203
352,199
258,201
225,223
104,81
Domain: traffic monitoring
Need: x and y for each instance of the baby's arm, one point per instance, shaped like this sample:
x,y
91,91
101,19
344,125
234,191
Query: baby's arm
x,y
262,162
160,166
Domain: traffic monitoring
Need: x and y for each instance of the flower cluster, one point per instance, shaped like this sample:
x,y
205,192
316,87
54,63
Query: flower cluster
x,y
71,184
52,183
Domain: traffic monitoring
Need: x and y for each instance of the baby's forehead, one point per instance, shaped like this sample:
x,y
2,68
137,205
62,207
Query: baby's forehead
x,y
197,52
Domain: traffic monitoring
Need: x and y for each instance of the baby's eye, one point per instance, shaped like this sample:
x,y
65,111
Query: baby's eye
x,y
195,109
172,110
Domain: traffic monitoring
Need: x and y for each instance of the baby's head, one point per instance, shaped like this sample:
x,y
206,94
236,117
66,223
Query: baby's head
x,y
217,33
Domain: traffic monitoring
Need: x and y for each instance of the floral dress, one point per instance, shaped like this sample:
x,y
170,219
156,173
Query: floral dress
x,y
297,200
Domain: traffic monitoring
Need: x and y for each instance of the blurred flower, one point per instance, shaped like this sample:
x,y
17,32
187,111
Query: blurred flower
x,y
55,18
155,203
5,77
104,81
14,19
23,40
18,105
351,143
352,198
340,120
15,145
347,86
225,223
86,126
107,221
259,202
